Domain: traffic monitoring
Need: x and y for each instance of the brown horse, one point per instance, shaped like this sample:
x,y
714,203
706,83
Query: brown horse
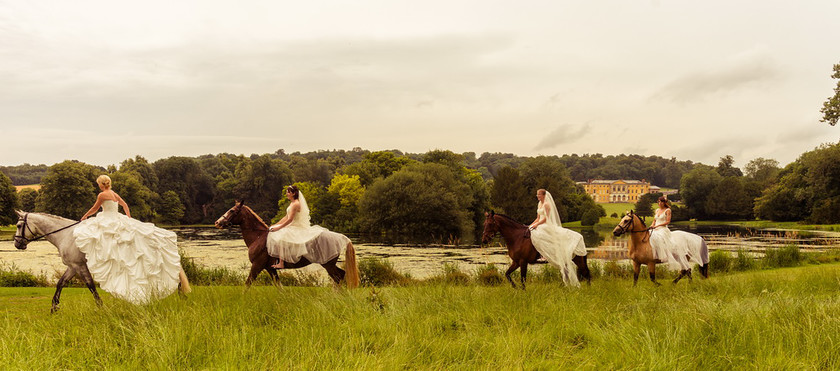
x,y
520,249
640,251
255,232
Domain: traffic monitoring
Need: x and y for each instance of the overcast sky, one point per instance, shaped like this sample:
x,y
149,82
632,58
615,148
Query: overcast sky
x,y
102,81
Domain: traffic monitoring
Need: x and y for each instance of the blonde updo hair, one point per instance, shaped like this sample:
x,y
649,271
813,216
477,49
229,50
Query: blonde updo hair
x,y
104,181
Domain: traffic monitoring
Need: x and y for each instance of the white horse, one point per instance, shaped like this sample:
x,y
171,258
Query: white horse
x,y
59,232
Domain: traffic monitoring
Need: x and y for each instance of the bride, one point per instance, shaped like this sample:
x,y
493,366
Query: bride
x,y
663,245
556,244
132,260
288,238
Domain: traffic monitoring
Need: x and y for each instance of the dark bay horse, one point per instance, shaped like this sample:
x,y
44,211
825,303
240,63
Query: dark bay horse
x,y
640,252
520,249
255,233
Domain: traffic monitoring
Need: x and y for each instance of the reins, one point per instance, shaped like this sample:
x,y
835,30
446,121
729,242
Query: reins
x,y
629,229
26,227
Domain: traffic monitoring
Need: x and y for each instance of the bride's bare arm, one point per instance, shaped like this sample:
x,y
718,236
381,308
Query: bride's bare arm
x,y
540,218
99,199
123,204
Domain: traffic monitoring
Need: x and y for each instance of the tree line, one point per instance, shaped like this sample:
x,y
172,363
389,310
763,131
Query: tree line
x,y
432,195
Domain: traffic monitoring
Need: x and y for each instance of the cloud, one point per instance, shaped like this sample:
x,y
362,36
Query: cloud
x,y
750,70
564,134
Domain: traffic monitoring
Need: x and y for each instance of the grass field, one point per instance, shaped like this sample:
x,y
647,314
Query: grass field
x,y
770,319
619,209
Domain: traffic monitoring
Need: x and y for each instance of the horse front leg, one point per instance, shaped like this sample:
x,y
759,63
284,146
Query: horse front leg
x,y
91,285
252,275
513,267
637,267
68,274
524,272
274,276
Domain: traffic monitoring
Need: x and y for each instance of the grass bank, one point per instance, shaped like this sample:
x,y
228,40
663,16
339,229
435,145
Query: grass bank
x,y
785,318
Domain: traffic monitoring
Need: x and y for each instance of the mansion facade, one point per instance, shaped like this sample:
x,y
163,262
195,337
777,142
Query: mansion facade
x,y
609,191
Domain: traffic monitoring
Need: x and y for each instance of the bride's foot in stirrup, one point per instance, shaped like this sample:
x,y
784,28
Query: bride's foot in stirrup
x,y
279,264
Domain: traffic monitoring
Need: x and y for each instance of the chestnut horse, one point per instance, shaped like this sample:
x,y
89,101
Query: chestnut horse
x,y
520,249
255,232
640,251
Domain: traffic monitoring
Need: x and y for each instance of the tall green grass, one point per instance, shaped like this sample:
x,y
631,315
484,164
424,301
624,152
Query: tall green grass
x,y
774,319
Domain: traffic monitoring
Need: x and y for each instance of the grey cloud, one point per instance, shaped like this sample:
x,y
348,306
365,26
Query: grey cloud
x,y
699,85
562,135
710,151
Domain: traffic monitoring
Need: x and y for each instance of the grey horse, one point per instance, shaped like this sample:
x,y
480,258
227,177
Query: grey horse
x,y
59,232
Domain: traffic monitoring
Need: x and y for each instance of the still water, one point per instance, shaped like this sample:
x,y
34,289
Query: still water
x,y
224,248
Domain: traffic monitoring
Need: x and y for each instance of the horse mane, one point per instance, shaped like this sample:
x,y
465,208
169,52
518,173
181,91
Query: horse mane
x,y
510,219
640,219
256,216
56,217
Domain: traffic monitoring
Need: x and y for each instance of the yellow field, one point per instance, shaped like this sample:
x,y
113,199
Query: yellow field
x,y
36,187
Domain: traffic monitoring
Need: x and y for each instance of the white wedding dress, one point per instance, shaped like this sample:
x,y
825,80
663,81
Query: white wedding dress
x,y
300,239
132,260
665,248
556,244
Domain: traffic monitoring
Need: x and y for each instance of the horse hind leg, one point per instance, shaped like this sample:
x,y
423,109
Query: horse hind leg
x,y
336,274
91,285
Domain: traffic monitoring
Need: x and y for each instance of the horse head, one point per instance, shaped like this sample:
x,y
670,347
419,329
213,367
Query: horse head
x,y
490,227
25,230
232,216
625,225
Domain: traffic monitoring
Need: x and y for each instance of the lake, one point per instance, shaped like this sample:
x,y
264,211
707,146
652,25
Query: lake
x,y
224,248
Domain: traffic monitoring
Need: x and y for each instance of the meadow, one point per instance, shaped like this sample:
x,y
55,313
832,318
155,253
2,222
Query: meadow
x,y
784,318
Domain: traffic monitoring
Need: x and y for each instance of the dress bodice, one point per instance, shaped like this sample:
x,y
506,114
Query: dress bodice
x,y
301,218
110,206
661,218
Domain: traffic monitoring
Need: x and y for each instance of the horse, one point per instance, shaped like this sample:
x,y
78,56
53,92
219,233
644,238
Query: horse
x,y
520,249
59,232
640,251
255,234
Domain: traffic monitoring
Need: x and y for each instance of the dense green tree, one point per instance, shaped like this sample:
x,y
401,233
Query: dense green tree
x,y
695,188
726,167
729,200
644,206
762,170
510,194
190,182
262,182
27,198
807,189
143,169
172,209
831,107
129,185
8,201
377,165
69,189
318,171
25,174
422,200
590,217
343,197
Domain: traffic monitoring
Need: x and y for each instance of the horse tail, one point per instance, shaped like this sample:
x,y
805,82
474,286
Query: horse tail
x,y
351,267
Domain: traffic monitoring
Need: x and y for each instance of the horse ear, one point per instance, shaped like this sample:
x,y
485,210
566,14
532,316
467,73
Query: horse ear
x,y
492,213
19,212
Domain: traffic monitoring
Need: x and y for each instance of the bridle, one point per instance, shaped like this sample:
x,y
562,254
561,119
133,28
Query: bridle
x,y
629,227
25,227
230,215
